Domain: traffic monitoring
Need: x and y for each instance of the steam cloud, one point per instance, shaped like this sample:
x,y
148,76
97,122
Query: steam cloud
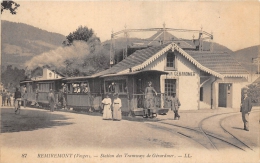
x,y
57,57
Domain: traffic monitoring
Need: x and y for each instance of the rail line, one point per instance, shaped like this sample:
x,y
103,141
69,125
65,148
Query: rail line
x,y
233,134
209,135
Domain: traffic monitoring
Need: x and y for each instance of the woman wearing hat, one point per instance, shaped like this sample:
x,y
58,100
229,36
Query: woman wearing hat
x,y
149,98
107,112
117,108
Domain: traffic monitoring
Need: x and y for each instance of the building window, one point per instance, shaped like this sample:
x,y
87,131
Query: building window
x,y
170,87
50,74
170,60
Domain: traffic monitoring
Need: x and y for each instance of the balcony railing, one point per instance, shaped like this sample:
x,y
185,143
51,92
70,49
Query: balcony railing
x,y
160,101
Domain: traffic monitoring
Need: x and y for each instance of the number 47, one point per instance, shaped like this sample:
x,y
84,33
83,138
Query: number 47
x,y
24,155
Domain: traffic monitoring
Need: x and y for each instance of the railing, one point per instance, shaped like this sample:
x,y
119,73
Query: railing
x,y
160,101
84,100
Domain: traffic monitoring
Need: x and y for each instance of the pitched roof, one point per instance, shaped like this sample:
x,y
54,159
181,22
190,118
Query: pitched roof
x,y
219,62
216,63
137,58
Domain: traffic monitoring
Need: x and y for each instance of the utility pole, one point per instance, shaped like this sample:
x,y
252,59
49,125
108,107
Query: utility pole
x,y
126,42
256,61
201,40
163,33
211,43
112,49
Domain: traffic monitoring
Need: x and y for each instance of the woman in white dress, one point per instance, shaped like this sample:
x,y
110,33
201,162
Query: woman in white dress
x,y
117,108
107,113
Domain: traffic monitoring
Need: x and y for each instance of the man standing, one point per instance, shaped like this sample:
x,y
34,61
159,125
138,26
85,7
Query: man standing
x,y
3,97
24,96
245,108
51,100
175,104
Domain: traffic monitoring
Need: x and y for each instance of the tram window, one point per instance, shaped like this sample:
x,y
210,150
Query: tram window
x,y
170,59
84,88
79,88
118,86
45,87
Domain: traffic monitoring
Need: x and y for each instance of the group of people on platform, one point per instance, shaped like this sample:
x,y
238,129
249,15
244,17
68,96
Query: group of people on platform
x,y
7,98
150,102
112,109
11,98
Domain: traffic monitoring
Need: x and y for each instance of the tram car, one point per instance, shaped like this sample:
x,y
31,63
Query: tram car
x,y
37,90
83,93
86,93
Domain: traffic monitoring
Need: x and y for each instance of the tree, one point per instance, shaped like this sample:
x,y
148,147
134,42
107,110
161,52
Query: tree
x,y
9,5
82,33
12,76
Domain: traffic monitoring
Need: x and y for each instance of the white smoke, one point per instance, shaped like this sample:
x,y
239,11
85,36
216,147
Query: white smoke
x,y
76,52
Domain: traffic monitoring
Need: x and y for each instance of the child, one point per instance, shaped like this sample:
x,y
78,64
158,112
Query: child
x,y
175,104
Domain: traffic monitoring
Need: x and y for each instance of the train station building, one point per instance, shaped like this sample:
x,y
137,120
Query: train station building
x,y
200,79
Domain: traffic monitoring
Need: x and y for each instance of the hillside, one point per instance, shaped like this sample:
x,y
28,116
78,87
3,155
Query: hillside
x,y
244,57
20,42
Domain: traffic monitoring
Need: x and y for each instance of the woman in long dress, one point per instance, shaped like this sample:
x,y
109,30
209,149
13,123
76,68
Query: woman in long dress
x,y
107,113
149,98
117,114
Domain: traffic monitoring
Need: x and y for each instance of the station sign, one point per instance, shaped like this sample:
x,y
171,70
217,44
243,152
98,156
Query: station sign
x,y
181,73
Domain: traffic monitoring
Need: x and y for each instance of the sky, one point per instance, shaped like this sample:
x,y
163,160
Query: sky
x,y
234,24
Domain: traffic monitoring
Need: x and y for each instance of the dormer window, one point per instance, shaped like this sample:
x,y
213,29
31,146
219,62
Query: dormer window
x,y
50,74
170,62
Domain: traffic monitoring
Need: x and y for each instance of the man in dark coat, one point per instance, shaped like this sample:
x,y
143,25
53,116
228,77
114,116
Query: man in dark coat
x,y
245,109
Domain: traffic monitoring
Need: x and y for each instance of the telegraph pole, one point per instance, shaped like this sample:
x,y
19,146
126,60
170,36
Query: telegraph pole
x,y
112,49
163,33
257,61
126,42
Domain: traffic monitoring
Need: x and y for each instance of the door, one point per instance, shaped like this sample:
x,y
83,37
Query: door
x,y
229,95
222,99
225,95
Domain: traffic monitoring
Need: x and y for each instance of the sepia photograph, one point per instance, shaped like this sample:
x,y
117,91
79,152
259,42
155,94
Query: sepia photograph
x,y
130,81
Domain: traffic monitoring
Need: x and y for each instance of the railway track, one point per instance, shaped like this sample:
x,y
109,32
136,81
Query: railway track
x,y
200,134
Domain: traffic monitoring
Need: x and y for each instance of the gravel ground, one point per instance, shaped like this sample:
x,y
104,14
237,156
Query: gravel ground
x,y
37,131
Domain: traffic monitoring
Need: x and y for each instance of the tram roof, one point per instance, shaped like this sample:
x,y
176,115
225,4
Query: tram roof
x,y
134,73
43,80
78,78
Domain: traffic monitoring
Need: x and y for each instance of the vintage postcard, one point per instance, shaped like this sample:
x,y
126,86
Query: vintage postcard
x,y
130,81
